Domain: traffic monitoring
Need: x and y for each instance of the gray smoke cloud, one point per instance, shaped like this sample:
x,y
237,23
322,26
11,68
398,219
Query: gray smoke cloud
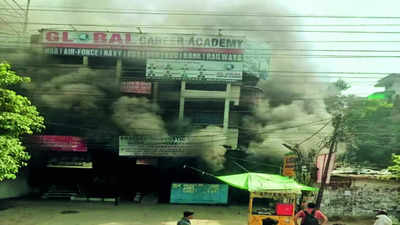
x,y
286,115
137,116
283,125
287,101
80,90
208,145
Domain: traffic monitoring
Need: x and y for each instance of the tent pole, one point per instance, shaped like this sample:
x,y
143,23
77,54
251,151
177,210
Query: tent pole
x,y
250,208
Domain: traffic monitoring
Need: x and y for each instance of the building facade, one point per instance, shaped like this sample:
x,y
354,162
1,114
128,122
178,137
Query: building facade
x,y
122,107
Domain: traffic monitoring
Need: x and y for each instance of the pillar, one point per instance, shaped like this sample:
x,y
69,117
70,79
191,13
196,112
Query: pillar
x,y
226,109
182,100
85,60
118,70
155,92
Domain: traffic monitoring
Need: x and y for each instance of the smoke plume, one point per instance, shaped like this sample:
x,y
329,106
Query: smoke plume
x,y
287,116
80,90
287,101
137,116
208,145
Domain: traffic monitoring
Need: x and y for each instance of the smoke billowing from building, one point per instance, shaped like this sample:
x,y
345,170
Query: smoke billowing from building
x,y
287,115
208,145
137,116
80,91
287,101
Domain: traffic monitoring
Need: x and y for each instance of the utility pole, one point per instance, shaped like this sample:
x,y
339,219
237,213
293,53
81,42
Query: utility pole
x,y
26,17
332,144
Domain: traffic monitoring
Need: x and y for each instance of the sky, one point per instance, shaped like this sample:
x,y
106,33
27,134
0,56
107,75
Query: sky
x,y
359,61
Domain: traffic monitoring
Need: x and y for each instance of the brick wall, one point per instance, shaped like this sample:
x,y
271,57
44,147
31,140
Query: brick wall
x,y
359,196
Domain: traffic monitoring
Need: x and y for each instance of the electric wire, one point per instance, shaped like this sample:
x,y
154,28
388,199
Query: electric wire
x,y
194,13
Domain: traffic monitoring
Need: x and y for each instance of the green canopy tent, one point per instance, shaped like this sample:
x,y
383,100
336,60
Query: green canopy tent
x,y
261,182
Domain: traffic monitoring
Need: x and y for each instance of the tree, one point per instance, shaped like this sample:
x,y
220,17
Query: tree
x,y
370,127
336,100
395,168
18,117
374,130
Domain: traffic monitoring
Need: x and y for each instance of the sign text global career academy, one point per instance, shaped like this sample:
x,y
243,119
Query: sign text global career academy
x,y
143,45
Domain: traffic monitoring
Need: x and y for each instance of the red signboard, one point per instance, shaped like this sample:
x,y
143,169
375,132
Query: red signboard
x,y
136,87
284,209
62,143
147,162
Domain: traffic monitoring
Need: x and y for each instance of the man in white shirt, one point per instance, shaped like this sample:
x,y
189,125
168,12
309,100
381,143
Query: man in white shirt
x,y
382,218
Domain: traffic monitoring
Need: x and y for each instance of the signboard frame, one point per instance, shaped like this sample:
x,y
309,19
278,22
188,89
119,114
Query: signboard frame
x,y
197,193
289,166
164,69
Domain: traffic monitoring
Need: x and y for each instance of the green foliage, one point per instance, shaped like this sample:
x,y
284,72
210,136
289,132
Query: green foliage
x,y
12,156
336,101
18,117
375,132
8,77
395,169
341,85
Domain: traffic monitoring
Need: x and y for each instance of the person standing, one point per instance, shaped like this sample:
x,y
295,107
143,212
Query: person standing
x,y
187,216
382,218
310,216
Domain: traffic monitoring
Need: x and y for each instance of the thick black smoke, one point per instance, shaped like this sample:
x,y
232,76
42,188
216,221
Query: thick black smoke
x,y
286,103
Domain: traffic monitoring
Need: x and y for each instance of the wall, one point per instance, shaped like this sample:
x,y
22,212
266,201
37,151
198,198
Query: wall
x,y
352,196
15,188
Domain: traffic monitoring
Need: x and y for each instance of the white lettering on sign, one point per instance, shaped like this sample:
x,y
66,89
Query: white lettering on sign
x,y
88,39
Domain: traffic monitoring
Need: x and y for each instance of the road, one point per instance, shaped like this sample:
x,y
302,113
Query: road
x,y
49,212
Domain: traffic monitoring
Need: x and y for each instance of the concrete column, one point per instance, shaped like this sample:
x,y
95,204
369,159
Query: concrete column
x,y
226,109
182,100
118,70
155,92
85,60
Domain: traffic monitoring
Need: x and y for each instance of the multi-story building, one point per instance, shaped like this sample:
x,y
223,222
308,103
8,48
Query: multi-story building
x,y
204,79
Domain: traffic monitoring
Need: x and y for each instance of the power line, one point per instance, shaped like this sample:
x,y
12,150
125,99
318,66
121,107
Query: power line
x,y
6,22
133,47
276,73
326,72
277,30
17,11
283,56
196,128
18,5
197,13
208,25
300,41
227,138
315,133
68,66
254,162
